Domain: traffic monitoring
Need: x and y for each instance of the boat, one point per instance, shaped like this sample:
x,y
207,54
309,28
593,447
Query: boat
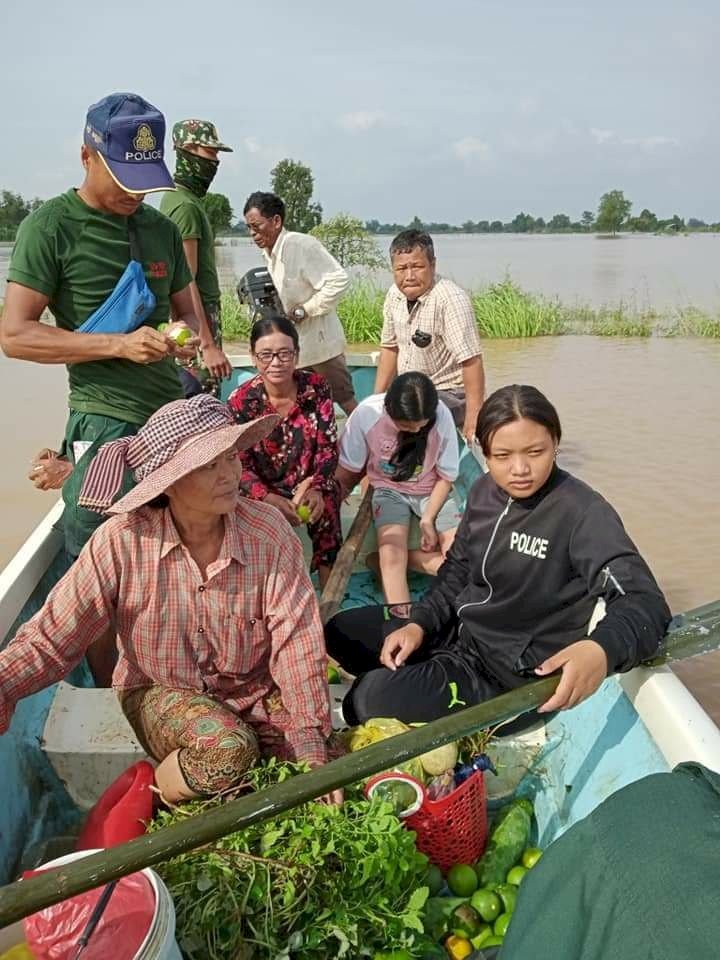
x,y
66,744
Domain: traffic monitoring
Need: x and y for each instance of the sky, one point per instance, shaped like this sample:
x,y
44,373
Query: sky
x,y
463,109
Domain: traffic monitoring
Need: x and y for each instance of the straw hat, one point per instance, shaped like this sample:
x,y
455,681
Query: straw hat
x,y
179,438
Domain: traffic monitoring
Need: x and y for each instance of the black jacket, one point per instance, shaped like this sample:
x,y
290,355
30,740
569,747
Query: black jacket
x,y
522,578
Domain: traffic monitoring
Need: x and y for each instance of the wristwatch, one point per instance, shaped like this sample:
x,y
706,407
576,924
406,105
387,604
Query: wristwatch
x,y
299,313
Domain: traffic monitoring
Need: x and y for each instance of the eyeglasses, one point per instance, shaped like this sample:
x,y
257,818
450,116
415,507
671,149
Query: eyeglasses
x,y
266,357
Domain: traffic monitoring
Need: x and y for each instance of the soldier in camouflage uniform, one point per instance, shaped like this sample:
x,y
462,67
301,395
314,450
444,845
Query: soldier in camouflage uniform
x,y
197,146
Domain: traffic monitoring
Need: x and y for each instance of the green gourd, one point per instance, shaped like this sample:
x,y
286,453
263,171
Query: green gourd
x,y
508,838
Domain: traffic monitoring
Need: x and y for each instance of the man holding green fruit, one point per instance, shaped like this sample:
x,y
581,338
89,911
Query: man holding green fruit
x,y
71,256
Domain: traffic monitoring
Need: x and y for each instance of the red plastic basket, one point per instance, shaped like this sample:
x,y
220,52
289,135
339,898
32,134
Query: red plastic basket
x,y
454,829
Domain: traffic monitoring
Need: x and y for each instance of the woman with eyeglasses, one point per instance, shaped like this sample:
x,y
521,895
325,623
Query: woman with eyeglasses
x,y
293,468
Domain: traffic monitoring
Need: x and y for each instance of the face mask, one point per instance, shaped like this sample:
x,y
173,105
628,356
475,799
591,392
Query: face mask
x,y
195,173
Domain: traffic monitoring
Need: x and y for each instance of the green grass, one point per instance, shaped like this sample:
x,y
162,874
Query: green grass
x,y
361,312
504,310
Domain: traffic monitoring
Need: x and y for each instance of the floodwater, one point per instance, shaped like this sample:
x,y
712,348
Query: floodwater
x,y
641,421
641,271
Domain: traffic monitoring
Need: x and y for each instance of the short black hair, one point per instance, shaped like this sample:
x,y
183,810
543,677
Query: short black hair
x,y
268,204
267,320
406,242
511,403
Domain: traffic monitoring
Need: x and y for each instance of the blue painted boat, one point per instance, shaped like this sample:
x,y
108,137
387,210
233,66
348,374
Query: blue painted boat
x,y
67,743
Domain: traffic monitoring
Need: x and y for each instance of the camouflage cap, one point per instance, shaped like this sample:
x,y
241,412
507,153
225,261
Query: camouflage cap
x,y
202,133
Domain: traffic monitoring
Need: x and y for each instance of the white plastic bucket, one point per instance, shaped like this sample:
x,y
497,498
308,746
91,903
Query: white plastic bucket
x,y
159,942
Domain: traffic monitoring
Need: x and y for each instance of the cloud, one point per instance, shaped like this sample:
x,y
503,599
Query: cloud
x,y
645,143
469,148
650,143
361,121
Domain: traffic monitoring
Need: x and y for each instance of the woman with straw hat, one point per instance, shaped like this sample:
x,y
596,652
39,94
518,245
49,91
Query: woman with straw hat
x,y
220,648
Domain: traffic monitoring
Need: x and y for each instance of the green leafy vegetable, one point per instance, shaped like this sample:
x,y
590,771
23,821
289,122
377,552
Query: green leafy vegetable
x,y
318,881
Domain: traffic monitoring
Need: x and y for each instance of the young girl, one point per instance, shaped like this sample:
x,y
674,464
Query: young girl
x,y
405,441
535,550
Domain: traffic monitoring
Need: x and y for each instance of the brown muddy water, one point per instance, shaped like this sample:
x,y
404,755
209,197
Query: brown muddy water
x,y
641,422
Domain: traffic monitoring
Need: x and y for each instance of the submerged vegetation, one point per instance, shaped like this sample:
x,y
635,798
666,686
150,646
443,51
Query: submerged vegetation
x,y
505,310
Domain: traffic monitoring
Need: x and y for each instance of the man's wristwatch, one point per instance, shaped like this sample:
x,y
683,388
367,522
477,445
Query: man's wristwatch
x,y
299,314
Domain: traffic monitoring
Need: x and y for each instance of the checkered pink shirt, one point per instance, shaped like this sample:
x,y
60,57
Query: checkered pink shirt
x,y
249,634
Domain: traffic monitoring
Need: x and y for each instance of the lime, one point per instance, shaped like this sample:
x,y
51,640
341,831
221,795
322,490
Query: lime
x,y
487,904
465,921
303,511
530,857
508,894
333,675
515,876
434,879
493,942
479,939
462,880
501,924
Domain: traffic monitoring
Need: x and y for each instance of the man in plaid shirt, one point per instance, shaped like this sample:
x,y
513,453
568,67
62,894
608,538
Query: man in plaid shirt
x,y
429,326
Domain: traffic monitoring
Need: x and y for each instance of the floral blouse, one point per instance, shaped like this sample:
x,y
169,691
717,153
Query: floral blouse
x,y
303,444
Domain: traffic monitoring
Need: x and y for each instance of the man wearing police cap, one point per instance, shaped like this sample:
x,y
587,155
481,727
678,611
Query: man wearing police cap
x,y
70,256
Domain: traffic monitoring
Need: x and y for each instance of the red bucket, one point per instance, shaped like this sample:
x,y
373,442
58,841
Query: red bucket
x,y
454,829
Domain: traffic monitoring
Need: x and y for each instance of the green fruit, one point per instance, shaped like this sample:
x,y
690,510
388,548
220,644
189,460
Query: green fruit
x,y
332,675
180,335
462,880
303,511
515,876
530,857
493,942
487,904
393,955
508,894
465,921
434,879
481,937
501,924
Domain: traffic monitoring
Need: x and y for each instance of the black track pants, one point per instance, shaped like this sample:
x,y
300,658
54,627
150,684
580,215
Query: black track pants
x,y
430,685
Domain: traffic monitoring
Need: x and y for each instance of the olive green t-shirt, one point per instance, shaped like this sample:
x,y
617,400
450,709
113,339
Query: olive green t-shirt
x,y
75,255
188,214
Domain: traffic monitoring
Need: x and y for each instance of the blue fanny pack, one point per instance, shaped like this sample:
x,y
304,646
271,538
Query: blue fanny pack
x,y
131,302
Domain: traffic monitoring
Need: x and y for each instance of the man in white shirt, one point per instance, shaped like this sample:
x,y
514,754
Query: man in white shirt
x,y
310,282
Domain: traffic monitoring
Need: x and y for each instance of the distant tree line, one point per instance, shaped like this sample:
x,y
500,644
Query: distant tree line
x,y
294,182
13,210
612,216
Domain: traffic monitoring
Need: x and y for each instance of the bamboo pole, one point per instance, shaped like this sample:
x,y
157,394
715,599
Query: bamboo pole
x,y
334,592
20,899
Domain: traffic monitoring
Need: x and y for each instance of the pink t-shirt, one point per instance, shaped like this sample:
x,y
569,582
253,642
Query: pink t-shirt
x,y
370,438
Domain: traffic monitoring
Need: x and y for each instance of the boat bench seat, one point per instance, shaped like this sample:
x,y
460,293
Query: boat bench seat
x,y
88,741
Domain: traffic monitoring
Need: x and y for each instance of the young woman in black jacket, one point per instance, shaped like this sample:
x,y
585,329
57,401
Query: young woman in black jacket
x,y
534,553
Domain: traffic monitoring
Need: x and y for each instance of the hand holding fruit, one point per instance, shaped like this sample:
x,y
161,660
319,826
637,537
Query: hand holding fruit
x,y
584,667
308,501
181,339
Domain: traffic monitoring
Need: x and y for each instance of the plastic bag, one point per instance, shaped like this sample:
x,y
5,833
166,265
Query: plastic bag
x,y
380,728
53,933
